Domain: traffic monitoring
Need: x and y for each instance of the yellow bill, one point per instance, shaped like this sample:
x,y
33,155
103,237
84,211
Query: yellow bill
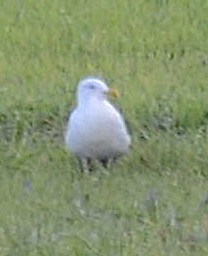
x,y
114,93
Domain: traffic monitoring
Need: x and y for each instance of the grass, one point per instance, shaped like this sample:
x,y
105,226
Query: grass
x,y
154,201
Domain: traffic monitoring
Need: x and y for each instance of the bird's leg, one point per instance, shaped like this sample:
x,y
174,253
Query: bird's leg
x,y
105,162
90,164
85,164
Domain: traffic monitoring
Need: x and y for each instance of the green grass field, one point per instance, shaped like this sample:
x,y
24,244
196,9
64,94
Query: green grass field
x,y
154,201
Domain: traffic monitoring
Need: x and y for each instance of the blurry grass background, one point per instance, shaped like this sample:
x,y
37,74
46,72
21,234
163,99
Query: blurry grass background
x,y
155,200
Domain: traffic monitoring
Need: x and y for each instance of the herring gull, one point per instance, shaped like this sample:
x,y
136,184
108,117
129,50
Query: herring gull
x,y
96,130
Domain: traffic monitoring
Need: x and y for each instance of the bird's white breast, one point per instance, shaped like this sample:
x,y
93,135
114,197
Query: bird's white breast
x,y
97,131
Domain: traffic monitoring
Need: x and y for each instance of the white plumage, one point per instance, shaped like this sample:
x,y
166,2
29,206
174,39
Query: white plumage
x,y
96,130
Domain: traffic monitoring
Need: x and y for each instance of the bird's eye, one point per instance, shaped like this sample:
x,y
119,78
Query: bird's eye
x,y
91,86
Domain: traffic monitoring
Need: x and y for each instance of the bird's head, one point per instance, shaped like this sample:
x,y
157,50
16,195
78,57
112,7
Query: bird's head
x,y
91,87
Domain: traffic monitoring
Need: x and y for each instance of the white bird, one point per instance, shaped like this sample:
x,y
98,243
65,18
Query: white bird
x,y
96,130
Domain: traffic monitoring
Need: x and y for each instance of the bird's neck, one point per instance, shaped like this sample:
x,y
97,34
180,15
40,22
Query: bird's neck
x,y
91,101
